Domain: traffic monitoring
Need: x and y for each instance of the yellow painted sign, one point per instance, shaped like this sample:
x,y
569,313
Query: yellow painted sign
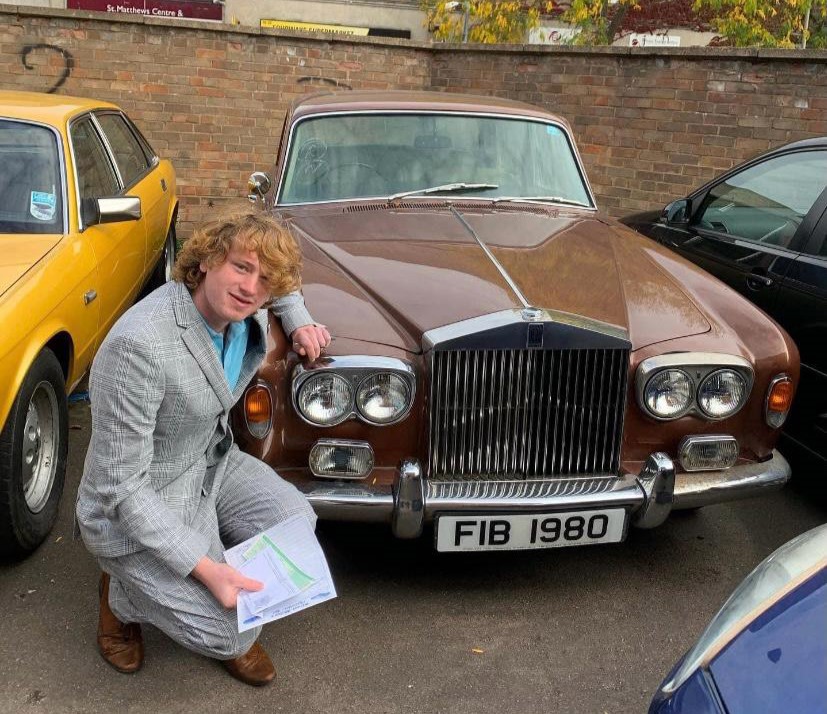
x,y
315,27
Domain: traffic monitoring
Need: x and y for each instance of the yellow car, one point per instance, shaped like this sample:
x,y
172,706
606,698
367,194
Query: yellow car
x,y
87,219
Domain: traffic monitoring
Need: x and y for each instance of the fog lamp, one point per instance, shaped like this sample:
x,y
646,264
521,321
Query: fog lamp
x,y
710,452
341,458
779,400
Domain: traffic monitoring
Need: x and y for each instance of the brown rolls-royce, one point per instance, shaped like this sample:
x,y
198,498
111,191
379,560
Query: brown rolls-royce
x,y
507,362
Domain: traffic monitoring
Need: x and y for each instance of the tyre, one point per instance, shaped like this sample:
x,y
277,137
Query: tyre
x,y
33,447
162,272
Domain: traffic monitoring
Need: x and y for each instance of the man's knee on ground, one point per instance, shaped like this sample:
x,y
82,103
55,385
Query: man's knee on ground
x,y
219,639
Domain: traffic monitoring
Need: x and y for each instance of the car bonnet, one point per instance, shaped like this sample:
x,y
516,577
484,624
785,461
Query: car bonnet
x,y
390,272
19,253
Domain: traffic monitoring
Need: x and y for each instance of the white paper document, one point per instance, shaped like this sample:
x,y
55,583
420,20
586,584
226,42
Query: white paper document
x,y
288,559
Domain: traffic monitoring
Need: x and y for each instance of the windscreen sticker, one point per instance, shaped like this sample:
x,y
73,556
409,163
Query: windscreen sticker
x,y
552,130
42,205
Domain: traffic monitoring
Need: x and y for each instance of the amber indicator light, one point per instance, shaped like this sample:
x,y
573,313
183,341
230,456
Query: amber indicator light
x,y
781,396
257,405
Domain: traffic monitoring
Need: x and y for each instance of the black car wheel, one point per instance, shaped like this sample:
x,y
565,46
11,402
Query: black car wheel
x,y
162,272
33,447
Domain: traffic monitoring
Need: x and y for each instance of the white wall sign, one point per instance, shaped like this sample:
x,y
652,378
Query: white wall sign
x,y
552,35
648,40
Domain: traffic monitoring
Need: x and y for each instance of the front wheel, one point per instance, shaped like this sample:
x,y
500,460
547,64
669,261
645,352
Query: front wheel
x,y
33,446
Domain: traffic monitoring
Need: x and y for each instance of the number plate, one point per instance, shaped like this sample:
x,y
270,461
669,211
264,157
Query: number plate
x,y
526,531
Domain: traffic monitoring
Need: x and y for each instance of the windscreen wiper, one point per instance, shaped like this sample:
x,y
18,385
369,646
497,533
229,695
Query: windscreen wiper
x,y
540,199
444,188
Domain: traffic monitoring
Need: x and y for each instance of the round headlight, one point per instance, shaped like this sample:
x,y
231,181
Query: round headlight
x,y
325,399
669,393
383,397
722,393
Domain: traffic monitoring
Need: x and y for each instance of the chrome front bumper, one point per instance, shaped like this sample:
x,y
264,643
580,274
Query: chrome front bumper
x,y
649,496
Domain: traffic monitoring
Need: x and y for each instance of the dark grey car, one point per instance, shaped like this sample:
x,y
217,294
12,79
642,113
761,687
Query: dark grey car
x,y
762,228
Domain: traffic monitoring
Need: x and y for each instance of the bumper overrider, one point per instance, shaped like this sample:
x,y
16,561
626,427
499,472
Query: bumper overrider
x,y
648,497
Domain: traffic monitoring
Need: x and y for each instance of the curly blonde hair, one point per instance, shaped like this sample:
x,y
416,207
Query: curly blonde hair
x,y
278,254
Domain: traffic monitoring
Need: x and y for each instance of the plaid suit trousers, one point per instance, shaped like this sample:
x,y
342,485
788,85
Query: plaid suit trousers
x,y
249,498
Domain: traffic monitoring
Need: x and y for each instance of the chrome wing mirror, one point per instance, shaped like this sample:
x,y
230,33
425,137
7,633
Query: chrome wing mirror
x,y
258,185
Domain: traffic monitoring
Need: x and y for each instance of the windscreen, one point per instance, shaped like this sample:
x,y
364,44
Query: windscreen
x,y
347,156
30,190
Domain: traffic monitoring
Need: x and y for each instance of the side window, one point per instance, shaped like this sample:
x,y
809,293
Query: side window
x,y
767,202
130,157
96,177
149,152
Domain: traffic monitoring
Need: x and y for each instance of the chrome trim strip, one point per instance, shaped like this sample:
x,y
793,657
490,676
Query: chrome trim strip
x,y
490,321
695,359
63,168
502,271
491,115
108,148
703,488
348,502
354,369
345,443
448,200
697,366
504,494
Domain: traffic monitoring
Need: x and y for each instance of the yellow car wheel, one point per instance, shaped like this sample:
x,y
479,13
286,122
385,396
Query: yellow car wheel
x,y
33,446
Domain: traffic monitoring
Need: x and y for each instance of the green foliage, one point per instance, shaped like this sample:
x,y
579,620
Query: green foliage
x,y
762,23
485,21
598,22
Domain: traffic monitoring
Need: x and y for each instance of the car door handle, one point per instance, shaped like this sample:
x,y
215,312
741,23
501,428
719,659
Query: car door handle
x,y
757,281
163,185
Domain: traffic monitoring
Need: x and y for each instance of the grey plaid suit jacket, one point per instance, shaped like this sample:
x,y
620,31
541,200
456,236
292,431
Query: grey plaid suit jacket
x,y
160,431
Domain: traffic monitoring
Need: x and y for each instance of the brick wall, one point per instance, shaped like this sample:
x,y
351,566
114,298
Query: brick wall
x,y
650,124
653,124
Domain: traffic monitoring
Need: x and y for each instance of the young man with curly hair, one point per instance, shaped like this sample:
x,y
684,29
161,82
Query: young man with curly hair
x,y
164,489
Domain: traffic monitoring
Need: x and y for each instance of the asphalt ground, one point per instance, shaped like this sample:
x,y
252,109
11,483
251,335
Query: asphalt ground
x,y
588,629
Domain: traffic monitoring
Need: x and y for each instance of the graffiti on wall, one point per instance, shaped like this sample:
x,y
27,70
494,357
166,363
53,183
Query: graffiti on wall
x,y
68,62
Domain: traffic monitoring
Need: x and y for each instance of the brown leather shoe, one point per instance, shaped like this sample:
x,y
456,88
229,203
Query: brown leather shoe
x,y
253,668
121,645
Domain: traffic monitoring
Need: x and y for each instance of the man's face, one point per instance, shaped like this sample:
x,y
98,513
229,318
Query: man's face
x,y
231,291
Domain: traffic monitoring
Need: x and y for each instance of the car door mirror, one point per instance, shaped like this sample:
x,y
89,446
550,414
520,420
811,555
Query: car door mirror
x,y
258,185
110,210
676,212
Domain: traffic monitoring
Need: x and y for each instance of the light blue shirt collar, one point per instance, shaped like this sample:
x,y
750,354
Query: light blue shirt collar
x,y
231,348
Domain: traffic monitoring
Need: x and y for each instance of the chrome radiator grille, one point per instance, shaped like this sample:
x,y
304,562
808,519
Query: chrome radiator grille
x,y
506,414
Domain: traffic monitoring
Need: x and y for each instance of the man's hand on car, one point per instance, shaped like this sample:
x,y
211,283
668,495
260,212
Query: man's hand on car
x,y
310,340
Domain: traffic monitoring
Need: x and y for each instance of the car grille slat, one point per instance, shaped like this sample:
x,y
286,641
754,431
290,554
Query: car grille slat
x,y
503,414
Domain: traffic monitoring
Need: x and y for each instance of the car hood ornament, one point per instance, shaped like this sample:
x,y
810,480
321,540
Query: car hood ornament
x,y
531,314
